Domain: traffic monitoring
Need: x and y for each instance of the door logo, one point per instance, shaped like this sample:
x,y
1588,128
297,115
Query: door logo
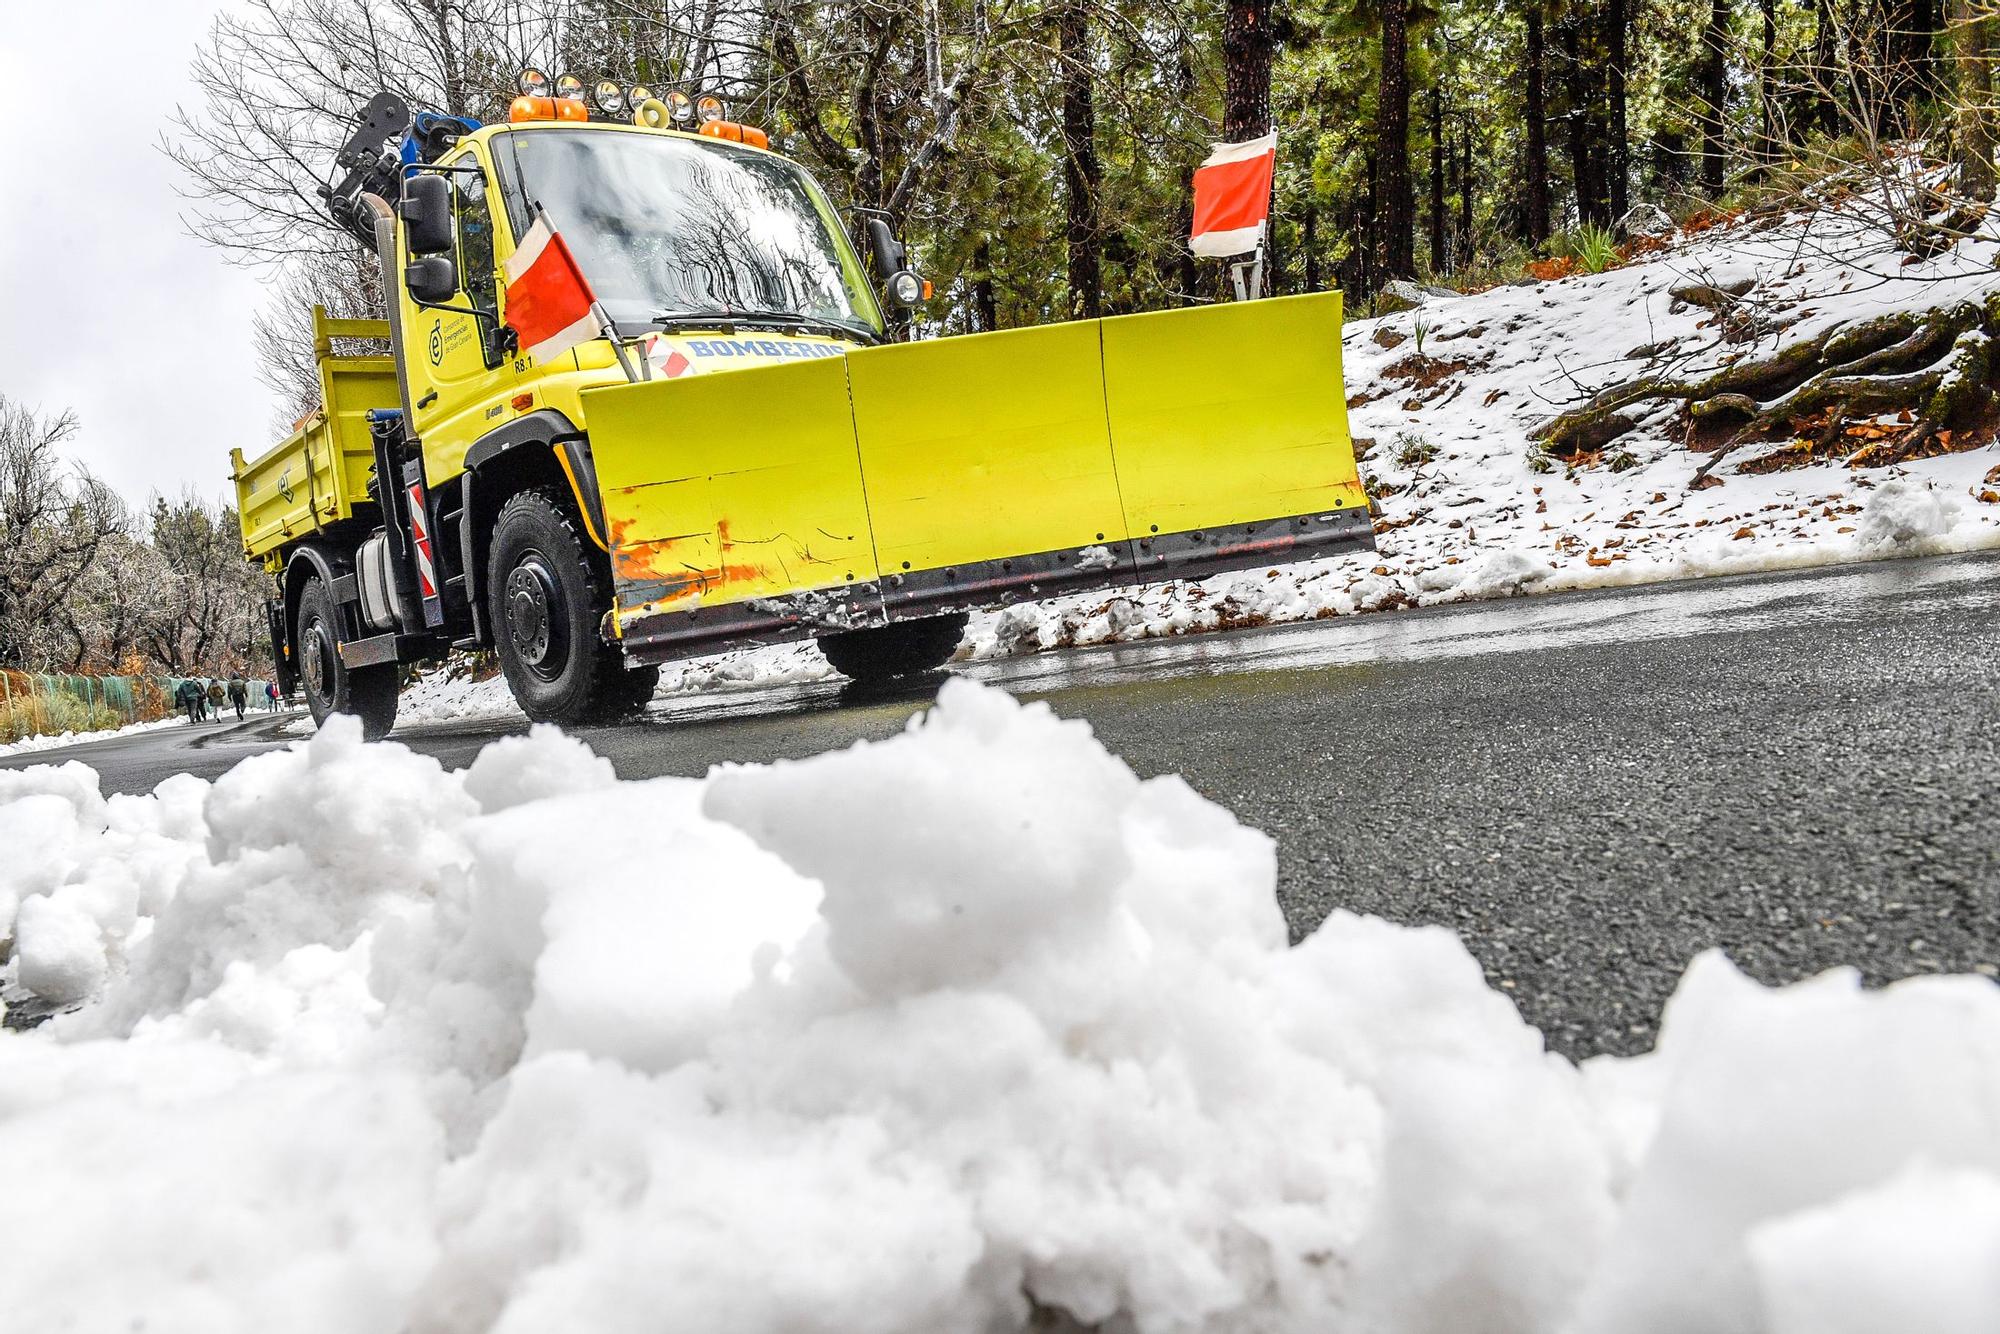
x,y
437,342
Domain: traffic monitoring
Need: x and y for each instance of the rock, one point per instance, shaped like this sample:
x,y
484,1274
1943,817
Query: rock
x,y
1712,295
1647,351
1525,280
1645,220
1445,293
1398,294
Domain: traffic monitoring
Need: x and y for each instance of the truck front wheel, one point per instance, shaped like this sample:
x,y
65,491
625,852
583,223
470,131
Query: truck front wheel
x,y
546,598
902,648
331,686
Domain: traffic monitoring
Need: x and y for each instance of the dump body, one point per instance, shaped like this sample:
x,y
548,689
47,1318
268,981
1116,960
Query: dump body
x,y
316,476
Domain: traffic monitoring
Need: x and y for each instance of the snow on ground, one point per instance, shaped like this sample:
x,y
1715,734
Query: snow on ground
x,y
1468,508
452,693
56,740
920,1035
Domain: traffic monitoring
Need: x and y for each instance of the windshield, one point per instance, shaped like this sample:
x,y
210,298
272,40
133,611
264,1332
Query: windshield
x,y
667,229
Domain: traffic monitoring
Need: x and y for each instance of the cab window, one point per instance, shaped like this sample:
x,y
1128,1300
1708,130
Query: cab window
x,y
476,265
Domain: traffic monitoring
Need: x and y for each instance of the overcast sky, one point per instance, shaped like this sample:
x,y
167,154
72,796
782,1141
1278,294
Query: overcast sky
x,y
109,307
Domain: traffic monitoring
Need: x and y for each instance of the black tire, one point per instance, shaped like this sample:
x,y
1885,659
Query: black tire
x,y
545,596
626,693
330,685
904,648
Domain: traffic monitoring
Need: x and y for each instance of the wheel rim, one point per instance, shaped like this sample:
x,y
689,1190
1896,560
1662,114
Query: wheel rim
x,y
537,616
316,660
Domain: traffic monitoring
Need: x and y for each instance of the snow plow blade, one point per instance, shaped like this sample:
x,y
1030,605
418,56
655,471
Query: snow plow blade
x,y
765,504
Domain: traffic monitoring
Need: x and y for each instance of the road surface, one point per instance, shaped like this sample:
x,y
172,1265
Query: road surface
x,y
1589,788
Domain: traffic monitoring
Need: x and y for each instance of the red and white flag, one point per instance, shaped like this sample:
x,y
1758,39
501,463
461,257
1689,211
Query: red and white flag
x,y
549,304
1232,197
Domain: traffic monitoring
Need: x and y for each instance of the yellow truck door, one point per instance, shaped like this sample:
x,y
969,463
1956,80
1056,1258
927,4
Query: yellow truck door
x,y
450,355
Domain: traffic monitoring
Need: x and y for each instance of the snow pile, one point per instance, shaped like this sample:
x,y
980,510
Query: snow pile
x,y
953,1032
1905,519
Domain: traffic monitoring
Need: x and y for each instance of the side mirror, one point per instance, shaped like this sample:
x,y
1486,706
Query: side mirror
x,y
892,261
426,211
432,280
890,257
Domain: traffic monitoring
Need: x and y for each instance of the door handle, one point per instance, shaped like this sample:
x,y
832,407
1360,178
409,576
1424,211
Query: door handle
x,y
427,400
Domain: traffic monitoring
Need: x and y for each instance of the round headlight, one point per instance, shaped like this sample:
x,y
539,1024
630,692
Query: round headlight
x,y
709,108
533,83
608,96
568,85
679,107
638,95
907,288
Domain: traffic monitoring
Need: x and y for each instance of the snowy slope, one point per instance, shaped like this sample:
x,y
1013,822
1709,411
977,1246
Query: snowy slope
x,y
916,1036
1466,509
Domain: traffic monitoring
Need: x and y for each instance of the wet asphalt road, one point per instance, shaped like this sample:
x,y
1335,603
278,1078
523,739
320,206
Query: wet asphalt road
x,y
1589,788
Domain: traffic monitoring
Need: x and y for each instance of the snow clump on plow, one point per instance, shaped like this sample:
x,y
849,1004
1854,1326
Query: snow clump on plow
x,y
960,1031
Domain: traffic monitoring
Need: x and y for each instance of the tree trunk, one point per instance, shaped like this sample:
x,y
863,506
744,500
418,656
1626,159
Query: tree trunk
x,y
1974,47
1824,114
1714,92
1536,113
1246,70
985,311
1188,270
1082,177
1396,202
1767,73
1584,164
1366,256
1618,156
1440,262
1309,245
1463,250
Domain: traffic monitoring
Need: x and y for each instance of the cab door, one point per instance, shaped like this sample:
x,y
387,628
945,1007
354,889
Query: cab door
x,y
452,354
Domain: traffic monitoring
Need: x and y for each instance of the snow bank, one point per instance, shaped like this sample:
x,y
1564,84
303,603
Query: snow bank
x,y
57,740
931,1034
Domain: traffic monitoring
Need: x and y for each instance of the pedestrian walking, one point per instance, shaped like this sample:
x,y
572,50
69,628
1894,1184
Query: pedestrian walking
x,y
188,696
270,697
215,697
239,693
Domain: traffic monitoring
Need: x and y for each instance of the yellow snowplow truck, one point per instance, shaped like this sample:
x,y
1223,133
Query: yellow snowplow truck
x,y
745,455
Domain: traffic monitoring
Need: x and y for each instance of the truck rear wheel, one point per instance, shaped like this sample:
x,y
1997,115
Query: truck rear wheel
x,y
546,595
330,685
900,649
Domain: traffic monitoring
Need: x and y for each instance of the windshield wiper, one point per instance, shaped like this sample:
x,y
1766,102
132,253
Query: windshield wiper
x,y
777,319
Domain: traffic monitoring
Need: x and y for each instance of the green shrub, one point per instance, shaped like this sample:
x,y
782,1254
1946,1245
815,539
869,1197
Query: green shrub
x,y
1594,248
46,715
1413,451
